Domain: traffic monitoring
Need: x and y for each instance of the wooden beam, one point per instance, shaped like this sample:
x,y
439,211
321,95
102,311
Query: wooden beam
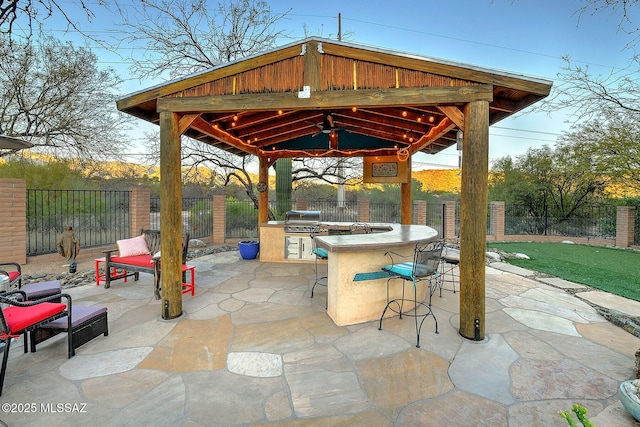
x,y
473,220
406,198
206,128
436,132
453,113
363,98
312,66
171,214
185,122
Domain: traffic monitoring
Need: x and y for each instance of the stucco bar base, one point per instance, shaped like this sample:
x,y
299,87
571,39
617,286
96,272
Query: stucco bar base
x,y
352,302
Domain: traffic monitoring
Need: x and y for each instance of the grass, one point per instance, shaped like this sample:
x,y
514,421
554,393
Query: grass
x,y
616,271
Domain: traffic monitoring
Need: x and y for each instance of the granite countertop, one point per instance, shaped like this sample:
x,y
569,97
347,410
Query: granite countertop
x,y
398,236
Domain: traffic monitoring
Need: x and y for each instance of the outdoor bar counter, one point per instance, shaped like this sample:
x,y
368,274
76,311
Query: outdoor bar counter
x,y
352,301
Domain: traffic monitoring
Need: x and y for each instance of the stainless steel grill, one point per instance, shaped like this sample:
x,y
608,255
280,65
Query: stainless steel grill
x,y
301,221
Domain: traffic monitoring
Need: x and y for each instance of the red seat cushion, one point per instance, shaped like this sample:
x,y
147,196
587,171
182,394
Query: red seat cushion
x,y
139,260
19,318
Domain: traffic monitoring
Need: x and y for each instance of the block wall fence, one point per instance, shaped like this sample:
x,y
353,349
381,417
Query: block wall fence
x,y
13,233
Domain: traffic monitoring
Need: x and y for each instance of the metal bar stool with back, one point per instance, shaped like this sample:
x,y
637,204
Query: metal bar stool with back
x,y
423,269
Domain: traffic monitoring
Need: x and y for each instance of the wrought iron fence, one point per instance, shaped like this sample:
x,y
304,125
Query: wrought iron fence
x,y
241,220
331,210
98,217
587,221
197,216
636,231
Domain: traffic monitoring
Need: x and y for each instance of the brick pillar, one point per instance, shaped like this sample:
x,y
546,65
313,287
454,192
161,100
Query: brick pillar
x,y
363,210
302,205
219,218
449,220
139,210
497,220
420,212
625,224
13,227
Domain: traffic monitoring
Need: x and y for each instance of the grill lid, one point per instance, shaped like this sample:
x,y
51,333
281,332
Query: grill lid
x,y
302,217
301,221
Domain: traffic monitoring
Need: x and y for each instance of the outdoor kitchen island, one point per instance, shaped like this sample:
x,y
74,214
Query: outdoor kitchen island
x,y
352,301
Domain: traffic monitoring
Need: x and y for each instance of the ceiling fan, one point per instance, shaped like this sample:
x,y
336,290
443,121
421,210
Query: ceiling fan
x,y
328,126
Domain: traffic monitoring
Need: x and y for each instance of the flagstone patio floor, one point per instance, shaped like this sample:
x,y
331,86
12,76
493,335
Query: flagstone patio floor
x,y
252,348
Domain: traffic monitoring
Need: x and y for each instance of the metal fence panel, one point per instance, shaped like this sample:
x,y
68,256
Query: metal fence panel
x,y
636,231
98,217
330,210
197,216
587,221
241,220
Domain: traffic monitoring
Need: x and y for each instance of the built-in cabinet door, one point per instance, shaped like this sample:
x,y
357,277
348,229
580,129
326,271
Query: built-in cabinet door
x,y
298,247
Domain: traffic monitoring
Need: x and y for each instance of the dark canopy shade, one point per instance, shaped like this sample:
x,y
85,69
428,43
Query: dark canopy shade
x,y
9,143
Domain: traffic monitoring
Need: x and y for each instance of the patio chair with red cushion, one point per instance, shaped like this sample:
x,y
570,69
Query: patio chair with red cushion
x,y
18,318
13,270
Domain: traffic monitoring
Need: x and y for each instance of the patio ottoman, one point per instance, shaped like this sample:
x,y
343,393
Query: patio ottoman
x,y
87,322
36,291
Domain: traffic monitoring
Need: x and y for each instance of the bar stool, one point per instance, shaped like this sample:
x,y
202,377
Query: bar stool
x,y
320,254
424,268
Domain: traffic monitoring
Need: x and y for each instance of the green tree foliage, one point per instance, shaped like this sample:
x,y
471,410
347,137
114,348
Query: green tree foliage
x,y
563,179
612,145
57,175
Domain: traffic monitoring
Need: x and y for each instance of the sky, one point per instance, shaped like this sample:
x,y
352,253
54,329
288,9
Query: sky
x,y
520,36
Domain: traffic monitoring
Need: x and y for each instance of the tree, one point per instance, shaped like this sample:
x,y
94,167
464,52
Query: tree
x,y
53,95
181,37
612,145
542,180
35,12
590,95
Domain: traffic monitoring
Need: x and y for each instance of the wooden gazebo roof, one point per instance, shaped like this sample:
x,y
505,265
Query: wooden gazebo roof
x,y
320,97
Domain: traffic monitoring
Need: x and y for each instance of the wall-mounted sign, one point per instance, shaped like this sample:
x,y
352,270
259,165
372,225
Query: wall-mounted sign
x,y
384,169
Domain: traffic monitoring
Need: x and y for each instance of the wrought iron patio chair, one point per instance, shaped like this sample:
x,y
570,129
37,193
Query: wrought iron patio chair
x,y
13,271
423,269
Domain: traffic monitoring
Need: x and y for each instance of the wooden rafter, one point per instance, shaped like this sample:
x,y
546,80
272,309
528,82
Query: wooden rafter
x,y
365,98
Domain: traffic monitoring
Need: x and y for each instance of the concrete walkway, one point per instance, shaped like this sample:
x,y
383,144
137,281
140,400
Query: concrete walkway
x,y
253,349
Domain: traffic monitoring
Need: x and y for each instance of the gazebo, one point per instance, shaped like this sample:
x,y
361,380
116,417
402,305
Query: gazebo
x,y
323,98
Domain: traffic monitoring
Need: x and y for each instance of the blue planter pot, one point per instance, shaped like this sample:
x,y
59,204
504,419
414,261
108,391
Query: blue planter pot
x,y
249,249
630,404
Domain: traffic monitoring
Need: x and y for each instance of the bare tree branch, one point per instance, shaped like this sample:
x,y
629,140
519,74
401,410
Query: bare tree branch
x,y
181,37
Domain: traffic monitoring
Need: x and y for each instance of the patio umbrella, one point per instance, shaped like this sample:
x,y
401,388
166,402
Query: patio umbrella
x,y
10,143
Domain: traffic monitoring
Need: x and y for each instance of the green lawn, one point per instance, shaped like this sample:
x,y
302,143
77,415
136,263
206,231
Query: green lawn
x,y
613,270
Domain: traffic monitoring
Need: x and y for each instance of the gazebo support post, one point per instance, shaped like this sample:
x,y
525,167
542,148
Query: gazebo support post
x,y
473,219
406,201
171,214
